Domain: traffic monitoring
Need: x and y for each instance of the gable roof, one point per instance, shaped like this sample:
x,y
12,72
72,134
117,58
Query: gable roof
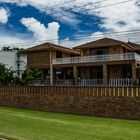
x,y
135,46
105,42
51,46
100,43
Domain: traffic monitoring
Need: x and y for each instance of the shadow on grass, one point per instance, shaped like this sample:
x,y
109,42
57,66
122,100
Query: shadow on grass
x,y
2,137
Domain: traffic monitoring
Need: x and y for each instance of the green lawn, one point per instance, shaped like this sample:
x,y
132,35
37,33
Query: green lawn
x,y
36,125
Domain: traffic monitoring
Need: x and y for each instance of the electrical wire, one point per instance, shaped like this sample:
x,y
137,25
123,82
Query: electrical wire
x,y
121,33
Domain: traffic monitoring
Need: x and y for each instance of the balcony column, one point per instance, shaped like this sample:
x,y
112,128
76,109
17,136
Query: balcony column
x,y
134,73
75,75
51,69
105,75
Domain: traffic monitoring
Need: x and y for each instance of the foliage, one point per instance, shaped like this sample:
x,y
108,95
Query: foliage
x,y
7,75
30,75
138,66
8,48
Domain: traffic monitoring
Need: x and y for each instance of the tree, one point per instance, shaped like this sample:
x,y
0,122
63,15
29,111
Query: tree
x,y
8,48
7,75
30,75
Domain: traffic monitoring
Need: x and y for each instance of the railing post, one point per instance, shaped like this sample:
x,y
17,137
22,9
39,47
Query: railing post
x,y
105,76
51,69
134,73
75,75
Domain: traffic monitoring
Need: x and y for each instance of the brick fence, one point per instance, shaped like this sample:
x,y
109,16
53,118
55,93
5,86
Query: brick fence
x,y
118,102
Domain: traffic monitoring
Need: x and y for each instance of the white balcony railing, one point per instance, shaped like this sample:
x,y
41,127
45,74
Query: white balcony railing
x,y
97,58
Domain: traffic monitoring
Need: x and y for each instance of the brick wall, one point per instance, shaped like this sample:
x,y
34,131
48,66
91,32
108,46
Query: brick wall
x,y
102,101
40,59
86,52
115,50
112,50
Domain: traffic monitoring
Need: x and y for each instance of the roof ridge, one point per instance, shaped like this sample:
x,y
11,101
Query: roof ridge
x,y
51,46
95,41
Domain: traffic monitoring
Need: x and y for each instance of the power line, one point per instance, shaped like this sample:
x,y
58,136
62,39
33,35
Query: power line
x,y
95,23
86,9
65,14
43,41
50,8
111,5
95,36
82,37
87,4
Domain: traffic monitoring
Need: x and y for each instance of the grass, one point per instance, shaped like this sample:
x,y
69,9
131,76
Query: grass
x,y
36,125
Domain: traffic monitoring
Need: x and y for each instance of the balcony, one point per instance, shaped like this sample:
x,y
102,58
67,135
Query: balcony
x,y
97,58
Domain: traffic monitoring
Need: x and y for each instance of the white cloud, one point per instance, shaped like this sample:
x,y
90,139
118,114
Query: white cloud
x,y
127,12
40,32
11,40
4,14
120,17
7,39
81,40
52,8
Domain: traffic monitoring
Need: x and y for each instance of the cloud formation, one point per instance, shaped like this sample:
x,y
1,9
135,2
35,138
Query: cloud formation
x,y
118,17
40,32
4,14
62,10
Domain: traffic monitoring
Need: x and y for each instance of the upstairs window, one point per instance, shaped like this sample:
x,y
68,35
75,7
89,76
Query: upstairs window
x,y
99,51
58,54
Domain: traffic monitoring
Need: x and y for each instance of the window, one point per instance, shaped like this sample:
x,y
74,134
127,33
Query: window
x,y
96,72
18,74
99,51
72,55
18,65
18,55
58,54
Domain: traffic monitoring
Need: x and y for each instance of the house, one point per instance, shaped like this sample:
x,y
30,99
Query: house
x,y
41,57
21,62
17,61
101,62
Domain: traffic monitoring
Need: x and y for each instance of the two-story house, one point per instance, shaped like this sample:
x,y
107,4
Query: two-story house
x,y
101,62
41,57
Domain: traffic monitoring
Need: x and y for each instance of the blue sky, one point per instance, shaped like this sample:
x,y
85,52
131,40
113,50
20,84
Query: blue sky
x,y
66,22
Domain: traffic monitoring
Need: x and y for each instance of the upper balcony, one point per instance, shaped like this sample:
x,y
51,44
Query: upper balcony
x,y
97,58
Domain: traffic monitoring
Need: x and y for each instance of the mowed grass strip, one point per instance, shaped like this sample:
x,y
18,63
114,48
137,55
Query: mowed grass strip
x,y
37,125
